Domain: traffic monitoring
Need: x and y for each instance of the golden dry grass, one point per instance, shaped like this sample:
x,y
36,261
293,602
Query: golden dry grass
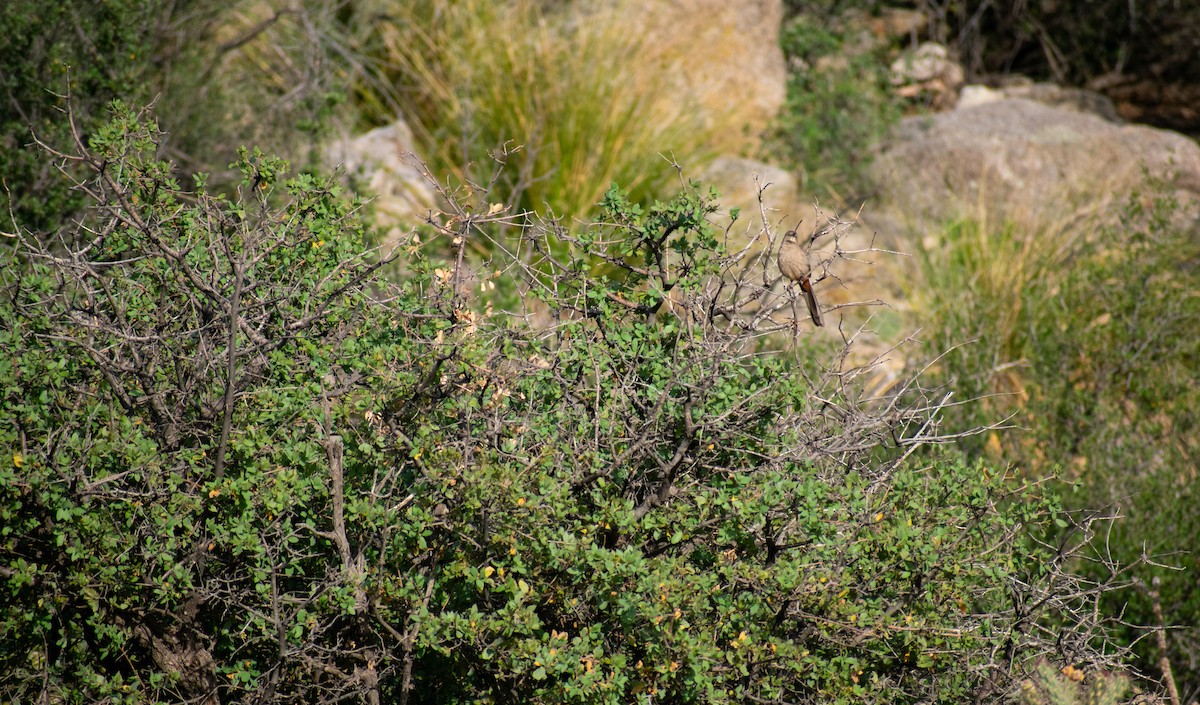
x,y
576,93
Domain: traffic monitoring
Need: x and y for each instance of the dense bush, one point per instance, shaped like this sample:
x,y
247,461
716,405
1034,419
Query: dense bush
x,y
1088,342
244,470
128,487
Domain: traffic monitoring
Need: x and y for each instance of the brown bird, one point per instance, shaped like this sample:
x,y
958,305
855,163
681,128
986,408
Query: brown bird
x,y
793,262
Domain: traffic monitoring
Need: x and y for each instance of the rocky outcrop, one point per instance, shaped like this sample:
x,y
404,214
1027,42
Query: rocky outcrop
x,y
724,57
1077,99
1016,151
927,70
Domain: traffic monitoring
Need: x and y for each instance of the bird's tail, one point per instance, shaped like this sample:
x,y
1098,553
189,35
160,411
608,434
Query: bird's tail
x,y
811,300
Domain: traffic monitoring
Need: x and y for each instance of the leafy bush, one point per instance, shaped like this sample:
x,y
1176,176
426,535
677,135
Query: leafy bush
x,y
244,470
134,497
1088,341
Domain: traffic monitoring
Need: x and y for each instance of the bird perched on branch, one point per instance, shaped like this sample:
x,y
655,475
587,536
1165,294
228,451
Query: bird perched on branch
x,y
793,262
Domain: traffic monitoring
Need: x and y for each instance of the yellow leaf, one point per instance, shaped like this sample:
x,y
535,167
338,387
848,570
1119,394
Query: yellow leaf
x,y
487,572
18,460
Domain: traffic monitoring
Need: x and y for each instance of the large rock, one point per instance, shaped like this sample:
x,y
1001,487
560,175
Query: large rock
x,y
381,164
1078,99
1019,153
739,181
927,70
722,56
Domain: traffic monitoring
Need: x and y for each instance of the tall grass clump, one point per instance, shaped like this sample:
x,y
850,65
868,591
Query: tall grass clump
x,y
1085,339
568,101
978,286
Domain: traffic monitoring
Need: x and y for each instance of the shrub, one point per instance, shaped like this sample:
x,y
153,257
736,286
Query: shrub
x,y
143,519
244,470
